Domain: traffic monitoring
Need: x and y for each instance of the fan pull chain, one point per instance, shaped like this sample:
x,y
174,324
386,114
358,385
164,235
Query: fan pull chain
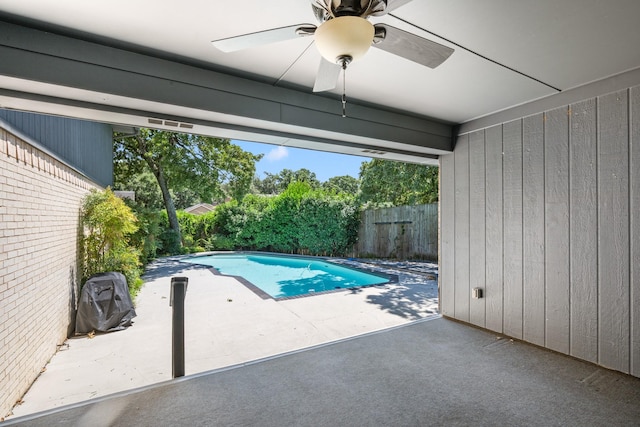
x,y
344,89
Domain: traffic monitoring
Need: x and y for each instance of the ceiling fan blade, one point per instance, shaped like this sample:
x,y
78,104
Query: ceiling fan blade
x,y
327,76
409,46
232,44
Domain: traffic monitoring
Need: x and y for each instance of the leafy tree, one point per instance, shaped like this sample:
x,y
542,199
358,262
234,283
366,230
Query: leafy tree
x,y
148,193
301,175
144,184
341,184
187,197
269,185
278,183
181,162
397,183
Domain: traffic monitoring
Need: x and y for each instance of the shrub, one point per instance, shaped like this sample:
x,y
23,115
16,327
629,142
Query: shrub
x,y
170,242
326,224
219,243
147,237
108,225
281,218
299,220
196,230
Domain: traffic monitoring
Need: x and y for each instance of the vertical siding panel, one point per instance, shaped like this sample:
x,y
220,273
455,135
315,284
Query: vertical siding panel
x,y
533,228
462,292
635,230
434,230
60,139
477,211
80,143
613,236
556,156
583,232
447,235
106,172
494,229
512,139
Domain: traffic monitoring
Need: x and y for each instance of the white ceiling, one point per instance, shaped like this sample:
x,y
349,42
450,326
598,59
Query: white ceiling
x,y
506,52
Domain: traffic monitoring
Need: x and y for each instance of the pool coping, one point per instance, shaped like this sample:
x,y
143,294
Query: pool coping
x,y
392,278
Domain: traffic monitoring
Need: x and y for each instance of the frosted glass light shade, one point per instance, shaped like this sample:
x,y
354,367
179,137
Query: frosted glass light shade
x,y
344,36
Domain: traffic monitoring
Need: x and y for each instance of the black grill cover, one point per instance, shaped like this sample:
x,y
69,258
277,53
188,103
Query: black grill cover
x,y
105,304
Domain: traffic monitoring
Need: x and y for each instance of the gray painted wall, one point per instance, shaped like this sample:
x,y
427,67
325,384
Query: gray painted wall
x,y
543,213
85,146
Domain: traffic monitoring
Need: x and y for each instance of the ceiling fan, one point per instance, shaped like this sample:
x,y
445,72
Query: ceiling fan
x,y
344,34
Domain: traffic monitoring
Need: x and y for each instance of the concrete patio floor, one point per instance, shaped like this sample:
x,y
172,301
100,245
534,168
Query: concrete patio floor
x,y
432,372
225,324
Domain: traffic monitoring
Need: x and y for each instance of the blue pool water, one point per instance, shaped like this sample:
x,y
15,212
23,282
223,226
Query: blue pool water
x,y
281,276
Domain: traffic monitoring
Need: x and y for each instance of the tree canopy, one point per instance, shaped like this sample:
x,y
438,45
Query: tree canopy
x,y
342,184
210,169
396,183
278,183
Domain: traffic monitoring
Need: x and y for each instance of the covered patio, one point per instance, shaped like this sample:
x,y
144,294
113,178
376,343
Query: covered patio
x,y
534,121
434,372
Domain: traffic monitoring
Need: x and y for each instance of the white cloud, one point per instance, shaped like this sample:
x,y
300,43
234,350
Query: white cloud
x,y
276,154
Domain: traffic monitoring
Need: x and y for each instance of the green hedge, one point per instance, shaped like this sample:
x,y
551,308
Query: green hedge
x,y
299,220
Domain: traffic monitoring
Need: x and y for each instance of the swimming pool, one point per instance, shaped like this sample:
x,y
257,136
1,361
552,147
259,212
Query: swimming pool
x,y
284,277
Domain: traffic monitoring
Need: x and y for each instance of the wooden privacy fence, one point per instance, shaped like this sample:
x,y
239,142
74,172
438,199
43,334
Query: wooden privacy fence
x,y
402,232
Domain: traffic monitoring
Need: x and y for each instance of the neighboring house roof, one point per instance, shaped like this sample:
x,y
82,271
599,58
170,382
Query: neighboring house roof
x,y
200,208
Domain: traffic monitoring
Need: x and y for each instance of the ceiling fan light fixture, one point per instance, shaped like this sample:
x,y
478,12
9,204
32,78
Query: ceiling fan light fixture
x,y
345,36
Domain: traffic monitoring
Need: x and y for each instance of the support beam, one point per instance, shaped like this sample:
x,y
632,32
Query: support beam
x,y
40,68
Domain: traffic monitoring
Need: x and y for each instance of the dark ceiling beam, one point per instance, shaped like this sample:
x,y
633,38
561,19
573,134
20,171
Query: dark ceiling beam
x,y
228,101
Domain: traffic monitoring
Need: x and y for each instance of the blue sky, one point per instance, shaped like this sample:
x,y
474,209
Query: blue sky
x,y
324,165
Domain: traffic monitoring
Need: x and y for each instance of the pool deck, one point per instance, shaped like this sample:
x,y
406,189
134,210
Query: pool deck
x,y
225,324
